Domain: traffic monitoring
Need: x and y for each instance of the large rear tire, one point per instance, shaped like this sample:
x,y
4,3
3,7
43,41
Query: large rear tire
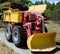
x,y
17,36
8,34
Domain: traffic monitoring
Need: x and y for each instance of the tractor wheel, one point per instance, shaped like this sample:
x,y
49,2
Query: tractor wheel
x,y
46,30
17,36
8,32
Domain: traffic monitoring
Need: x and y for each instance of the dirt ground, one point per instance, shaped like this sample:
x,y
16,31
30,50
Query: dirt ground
x,y
2,29
5,49
54,27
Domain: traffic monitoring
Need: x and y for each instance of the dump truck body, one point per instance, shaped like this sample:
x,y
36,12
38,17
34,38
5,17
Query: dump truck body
x,y
13,15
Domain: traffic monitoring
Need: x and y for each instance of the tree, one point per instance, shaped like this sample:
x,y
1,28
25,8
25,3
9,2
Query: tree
x,y
58,3
30,3
57,6
52,6
41,1
38,2
25,1
45,2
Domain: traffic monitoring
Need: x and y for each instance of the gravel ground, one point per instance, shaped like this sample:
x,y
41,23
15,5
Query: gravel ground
x,y
54,27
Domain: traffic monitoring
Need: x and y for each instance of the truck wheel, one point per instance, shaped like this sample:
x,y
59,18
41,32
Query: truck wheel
x,y
17,36
8,33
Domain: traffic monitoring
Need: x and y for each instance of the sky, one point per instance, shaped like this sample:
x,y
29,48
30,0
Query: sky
x,y
51,1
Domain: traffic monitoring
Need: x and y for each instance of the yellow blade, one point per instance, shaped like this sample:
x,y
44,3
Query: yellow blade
x,y
42,42
37,8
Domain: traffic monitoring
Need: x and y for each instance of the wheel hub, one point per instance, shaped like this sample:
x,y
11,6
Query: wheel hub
x,y
7,32
16,36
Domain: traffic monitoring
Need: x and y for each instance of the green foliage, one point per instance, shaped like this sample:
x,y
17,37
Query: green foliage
x,y
38,2
1,1
48,12
1,10
27,2
57,7
30,3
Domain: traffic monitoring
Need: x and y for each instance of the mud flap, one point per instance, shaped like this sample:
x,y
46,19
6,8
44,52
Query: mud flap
x,y
42,42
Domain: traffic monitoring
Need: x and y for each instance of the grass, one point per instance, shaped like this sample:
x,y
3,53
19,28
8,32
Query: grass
x,y
5,49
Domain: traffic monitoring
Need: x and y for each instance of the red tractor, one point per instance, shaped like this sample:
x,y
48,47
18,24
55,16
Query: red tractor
x,y
20,25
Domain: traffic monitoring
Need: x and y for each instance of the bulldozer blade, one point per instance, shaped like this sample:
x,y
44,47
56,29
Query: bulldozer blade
x,y
42,42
